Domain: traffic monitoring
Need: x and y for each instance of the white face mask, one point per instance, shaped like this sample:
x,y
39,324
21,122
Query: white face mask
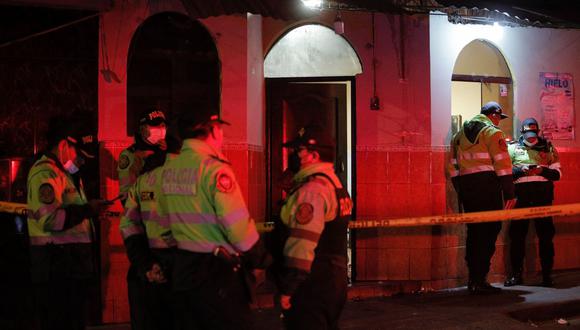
x,y
156,134
531,143
71,167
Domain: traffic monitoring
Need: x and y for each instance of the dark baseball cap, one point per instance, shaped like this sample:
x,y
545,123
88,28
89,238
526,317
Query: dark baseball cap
x,y
152,117
85,142
312,137
192,121
530,125
493,108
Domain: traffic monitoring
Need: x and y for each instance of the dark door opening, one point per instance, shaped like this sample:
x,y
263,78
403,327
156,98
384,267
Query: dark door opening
x,y
295,103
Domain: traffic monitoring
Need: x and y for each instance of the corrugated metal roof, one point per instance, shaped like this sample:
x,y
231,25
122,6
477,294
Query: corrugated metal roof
x,y
539,13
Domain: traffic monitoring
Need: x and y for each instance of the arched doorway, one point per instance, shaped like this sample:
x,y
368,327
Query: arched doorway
x,y
173,63
480,75
310,79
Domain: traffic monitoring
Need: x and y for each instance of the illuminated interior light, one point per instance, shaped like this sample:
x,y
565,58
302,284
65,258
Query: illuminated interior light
x,y
312,4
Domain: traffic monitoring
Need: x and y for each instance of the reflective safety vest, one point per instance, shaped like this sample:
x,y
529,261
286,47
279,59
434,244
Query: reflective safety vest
x,y
142,213
479,147
52,194
544,154
317,220
203,201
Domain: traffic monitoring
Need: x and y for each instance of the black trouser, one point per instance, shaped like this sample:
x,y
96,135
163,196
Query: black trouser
x,y
61,275
529,195
137,297
319,300
60,304
480,192
209,294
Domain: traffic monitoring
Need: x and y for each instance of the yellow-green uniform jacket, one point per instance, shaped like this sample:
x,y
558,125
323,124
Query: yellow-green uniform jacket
x,y
57,209
128,168
204,203
543,154
306,212
142,213
479,147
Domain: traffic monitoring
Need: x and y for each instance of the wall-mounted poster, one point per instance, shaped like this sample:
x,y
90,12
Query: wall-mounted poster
x,y
557,105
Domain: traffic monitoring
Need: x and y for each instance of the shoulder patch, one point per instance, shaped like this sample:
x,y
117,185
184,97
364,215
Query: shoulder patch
x,y
46,193
304,213
224,182
502,145
124,162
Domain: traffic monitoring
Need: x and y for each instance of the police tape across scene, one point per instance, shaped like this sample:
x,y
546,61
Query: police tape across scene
x,y
454,218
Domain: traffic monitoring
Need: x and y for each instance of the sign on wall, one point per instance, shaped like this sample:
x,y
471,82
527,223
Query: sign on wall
x,y
557,105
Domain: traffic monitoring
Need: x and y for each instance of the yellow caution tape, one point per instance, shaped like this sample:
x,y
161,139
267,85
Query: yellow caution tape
x,y
14,208
455,218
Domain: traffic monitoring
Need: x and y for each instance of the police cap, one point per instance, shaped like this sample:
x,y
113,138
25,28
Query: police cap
x,y
530,125
76,130
312,137
153,117
492,108
193,121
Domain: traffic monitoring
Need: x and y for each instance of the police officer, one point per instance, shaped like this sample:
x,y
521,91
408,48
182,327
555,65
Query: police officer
x,y
481,172
146,153
60,227
217,240
313,280
536,165
150,244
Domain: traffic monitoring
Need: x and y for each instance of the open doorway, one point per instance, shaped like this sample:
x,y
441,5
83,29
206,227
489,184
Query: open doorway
x,y
304,89
480,75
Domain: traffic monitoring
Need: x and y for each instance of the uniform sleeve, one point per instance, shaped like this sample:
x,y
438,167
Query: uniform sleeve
x,y
45,191
553,172
127,170
305,227
501,161
133,232
231,211
453,163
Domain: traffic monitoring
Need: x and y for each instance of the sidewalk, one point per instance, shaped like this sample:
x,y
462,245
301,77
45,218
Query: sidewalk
x,y
519,307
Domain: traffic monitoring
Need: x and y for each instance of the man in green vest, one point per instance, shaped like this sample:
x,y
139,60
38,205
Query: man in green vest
x,y
481,172
60,226
536,165
217,241
146,153
150,245
313,277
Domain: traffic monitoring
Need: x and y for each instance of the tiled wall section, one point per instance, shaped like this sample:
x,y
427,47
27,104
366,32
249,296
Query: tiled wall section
x,y
411,182
249,167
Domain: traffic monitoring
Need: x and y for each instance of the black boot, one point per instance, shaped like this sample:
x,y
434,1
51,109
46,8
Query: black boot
x,y
515,279
481,287
547,279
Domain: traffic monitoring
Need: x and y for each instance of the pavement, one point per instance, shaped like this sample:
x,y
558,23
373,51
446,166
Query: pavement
x,y
517,307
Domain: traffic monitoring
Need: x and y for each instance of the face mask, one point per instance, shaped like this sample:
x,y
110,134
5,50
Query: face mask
x,y
531,143
71,167
294,162
156,134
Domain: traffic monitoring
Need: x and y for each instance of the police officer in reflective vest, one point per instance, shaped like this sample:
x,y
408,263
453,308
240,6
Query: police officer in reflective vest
x,y
481,172
217,241
536,165
60,226
313,279
146,153
150,246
